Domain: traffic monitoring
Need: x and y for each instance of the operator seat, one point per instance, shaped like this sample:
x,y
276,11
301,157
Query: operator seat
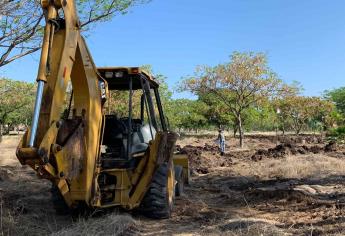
x,y
115,139
114,134
141,138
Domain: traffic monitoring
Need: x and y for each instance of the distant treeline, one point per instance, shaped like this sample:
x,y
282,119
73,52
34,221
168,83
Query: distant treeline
x,y
241,95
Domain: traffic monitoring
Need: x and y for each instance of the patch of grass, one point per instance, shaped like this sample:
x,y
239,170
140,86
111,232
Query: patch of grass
x,y
300,166
247,227
106,225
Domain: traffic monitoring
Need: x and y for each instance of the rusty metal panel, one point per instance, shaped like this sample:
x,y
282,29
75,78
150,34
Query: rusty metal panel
x,y
71,158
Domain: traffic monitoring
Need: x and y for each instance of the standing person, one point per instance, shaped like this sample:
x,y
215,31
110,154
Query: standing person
x,y
221,141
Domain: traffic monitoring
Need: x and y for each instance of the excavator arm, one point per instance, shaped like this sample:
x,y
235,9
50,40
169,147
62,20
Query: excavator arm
x,y
125,169
74,142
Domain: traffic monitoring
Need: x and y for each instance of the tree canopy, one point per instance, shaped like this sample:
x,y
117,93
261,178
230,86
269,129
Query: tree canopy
x,y
16,102
21,23
338,97
241,95
297,111
244,81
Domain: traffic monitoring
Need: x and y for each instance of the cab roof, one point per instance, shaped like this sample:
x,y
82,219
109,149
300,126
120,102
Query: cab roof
x,y
118,77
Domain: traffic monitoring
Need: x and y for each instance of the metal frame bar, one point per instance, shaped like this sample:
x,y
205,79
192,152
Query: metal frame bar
x,y
160,109
146,105
142,107
150,103
129,135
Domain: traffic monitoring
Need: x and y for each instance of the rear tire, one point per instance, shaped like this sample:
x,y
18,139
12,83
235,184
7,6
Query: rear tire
x,y
159,198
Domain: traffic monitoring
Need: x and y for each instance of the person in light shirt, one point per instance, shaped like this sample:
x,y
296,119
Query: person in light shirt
x,y
221,141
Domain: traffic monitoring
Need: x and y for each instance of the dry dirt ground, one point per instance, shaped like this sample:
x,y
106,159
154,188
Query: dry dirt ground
x,y
295,188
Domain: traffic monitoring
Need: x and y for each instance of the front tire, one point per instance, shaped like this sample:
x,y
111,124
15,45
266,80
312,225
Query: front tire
x,y
159,199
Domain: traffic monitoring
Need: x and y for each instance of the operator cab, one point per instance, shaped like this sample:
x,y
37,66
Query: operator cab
x,y
133,115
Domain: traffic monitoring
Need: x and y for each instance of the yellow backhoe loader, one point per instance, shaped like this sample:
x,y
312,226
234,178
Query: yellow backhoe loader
x,y
92,156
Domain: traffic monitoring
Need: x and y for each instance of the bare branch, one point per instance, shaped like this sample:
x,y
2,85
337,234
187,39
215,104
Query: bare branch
x,y
20,55
21,23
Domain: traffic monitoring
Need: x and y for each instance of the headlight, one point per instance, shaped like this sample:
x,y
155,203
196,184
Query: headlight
x,y
109,74
119,74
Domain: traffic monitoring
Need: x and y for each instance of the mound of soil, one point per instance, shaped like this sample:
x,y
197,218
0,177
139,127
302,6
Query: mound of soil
x,y
299,139
279,151
282,150
331,147
201,159
308,139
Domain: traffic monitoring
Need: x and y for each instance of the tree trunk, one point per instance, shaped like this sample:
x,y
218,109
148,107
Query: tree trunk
x,y
235,129
298,131
0,132
240,129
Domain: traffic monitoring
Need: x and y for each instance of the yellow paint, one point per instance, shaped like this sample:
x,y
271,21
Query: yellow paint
x,y
70,60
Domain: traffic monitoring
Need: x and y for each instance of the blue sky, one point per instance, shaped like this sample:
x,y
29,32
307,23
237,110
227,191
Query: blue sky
x,y
304,39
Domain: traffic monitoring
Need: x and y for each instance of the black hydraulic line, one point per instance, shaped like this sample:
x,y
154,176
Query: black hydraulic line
x,y
142,104
147,109
150,103
160,109
129,137
168,123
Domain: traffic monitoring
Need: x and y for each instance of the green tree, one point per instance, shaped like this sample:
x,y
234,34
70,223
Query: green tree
x,y
301,111
187,114
261,117
238,84
16,102
281,105
215,111
164,91
335,118
338,97
21,23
